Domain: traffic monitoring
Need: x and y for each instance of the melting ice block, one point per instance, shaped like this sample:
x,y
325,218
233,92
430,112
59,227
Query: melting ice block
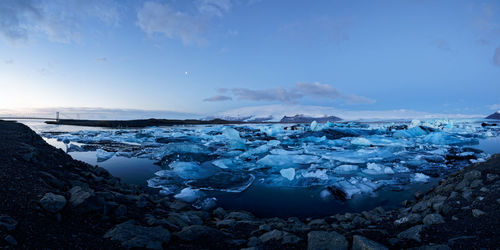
x,y
288,173
346,169
419,177
361,141
377,169
189,195
192,170
234,139
103,155
282,161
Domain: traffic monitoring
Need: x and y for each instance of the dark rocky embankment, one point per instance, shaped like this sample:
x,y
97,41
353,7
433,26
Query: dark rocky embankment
x,y
50,200
138,123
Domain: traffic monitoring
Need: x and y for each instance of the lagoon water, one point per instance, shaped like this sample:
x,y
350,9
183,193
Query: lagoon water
x,y
250,166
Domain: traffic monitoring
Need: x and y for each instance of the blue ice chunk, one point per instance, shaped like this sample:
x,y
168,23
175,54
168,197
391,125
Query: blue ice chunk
x,y
281,161
234,139
103,155
192,170
444,138
346,169
360,141
410,133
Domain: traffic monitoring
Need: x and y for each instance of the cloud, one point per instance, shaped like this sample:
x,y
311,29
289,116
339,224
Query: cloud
x,y
102,59
496,57
218,98
58,20
9,61
494,107
188,26
442,44
324,29
162,19
295,93
214,7
274,94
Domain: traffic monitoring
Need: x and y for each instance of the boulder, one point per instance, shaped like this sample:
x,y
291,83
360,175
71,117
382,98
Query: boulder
x,y
7,223
199,233
431,219
326,240
362,243
131,235
53,203
412,233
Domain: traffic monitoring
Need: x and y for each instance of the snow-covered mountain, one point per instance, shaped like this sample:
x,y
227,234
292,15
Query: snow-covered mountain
x,y
278,111
495,116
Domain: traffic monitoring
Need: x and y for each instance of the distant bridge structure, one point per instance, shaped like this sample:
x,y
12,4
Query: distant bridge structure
x,y
56,118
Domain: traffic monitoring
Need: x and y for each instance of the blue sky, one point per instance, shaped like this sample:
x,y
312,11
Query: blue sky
x,y
206,56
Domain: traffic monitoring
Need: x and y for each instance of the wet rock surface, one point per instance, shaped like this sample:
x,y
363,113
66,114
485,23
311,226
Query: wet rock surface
x,y
50,200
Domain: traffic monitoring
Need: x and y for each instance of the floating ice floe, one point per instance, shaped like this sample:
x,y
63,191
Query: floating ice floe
x,y
288,173
189,195
355,158
103,155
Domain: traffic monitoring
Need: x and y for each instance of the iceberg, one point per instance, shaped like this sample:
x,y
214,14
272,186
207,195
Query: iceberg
x,y
317,174
288,173
103,155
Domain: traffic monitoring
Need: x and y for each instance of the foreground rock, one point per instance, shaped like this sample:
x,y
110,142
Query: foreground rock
x,y
131,235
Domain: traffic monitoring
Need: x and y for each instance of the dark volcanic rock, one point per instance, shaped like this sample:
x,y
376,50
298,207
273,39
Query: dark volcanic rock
x,y
131,235
362,243
326,240
53,203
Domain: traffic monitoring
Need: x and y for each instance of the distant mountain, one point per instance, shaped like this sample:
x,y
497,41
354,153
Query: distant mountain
x,y
306,119
495,116
249,118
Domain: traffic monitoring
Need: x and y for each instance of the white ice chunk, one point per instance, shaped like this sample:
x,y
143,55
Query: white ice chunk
x,y
318,174
103,155
315,126
361,141
279,151
189,195
419,177
288,173
377,169
346,169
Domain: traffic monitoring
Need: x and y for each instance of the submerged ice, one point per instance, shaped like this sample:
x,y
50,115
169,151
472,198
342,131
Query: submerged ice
x,y
347,158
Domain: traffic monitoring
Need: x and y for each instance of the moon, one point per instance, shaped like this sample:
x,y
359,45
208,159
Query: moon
x,y
185,73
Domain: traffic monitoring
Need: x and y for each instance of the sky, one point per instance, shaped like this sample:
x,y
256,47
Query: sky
x,y
210,56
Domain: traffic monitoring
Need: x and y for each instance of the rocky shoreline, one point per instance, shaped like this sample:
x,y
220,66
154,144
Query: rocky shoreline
x,y
50,200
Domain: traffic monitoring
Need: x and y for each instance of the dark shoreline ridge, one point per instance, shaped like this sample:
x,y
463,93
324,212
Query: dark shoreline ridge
x,y
173,122
50,200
